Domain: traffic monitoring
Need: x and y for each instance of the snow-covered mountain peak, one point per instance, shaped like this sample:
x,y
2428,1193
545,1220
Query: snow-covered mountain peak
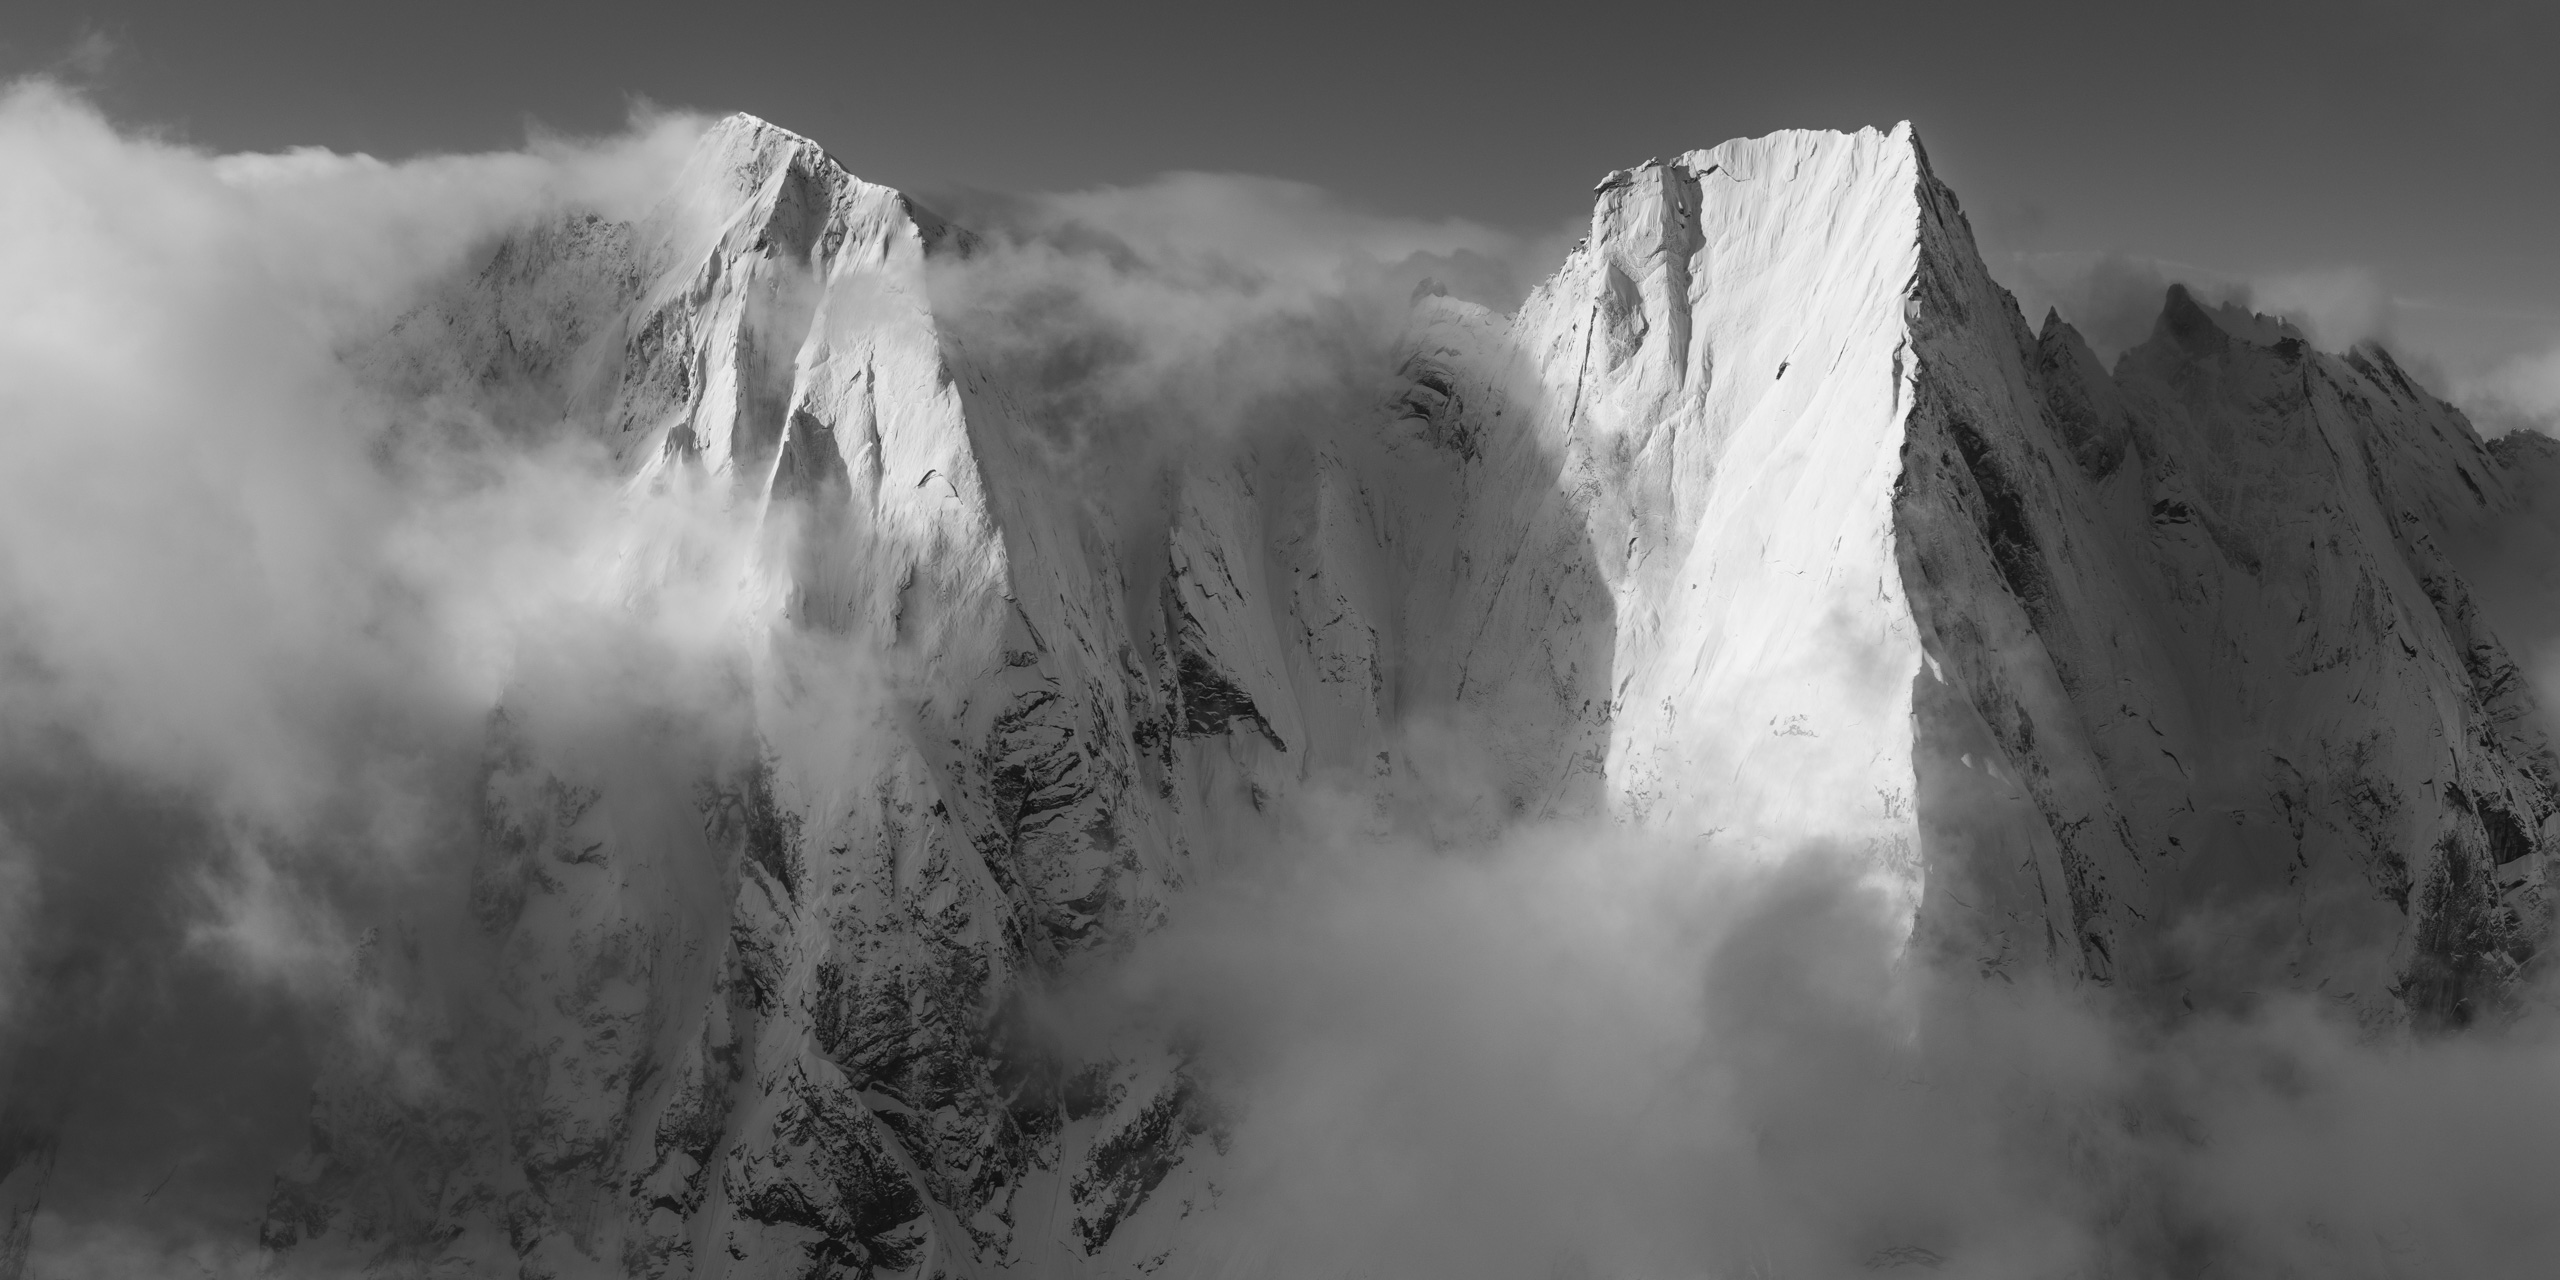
x,y
1766,526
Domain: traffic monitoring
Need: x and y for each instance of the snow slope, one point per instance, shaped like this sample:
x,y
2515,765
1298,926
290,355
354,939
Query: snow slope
x,y
1766,522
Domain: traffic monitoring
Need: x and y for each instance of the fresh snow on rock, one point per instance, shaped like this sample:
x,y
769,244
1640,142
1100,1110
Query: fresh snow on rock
x,y
1712,387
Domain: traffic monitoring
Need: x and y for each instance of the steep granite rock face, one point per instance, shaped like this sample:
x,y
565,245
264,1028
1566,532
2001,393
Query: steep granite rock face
x,y
1703,591
2219,714
1766,522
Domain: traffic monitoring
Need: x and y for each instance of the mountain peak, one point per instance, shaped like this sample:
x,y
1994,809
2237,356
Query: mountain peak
x,y
1759,527
2198,326
747,125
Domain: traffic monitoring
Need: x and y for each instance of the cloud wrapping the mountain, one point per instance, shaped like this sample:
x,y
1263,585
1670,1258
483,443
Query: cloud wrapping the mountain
x,y
1204,307
2522,393
218,551
254,614
1590,1051
2113,299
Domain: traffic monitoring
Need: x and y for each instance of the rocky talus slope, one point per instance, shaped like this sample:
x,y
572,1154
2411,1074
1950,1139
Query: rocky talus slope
x,y
1767,522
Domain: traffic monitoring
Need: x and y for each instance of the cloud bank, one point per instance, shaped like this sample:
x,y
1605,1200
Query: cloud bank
x,y
1582,1050
253,616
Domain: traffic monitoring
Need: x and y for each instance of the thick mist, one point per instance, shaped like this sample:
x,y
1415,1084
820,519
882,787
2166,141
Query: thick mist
x,y
257,613
1584,1050
254,616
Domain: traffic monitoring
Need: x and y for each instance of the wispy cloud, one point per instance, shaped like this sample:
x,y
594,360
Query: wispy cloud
x,y
2115,298
2520,394
89,55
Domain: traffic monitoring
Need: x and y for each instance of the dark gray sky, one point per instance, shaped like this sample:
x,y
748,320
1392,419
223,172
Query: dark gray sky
x,y
2420,141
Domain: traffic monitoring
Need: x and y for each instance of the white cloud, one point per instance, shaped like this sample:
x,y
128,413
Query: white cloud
x,y
2115,298
254,612
2337,307
205,565
1583,1049
2520,394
